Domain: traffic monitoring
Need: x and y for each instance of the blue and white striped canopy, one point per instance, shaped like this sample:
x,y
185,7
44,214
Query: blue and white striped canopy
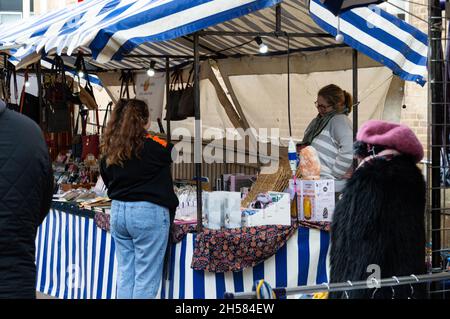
x,y
121,33
380,35
113,28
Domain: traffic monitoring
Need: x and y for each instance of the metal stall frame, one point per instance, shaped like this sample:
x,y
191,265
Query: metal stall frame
x,y
438,132
197,57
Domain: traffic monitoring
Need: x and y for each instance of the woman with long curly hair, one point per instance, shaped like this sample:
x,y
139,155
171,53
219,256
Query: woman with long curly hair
x,y
136,170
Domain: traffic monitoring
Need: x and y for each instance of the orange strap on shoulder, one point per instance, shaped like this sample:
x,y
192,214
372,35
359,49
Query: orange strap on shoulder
x,y
157,140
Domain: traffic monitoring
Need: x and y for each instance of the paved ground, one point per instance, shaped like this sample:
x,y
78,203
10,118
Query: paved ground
x,y
42,296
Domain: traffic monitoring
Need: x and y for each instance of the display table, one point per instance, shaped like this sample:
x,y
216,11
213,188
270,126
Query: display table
x,y
76,260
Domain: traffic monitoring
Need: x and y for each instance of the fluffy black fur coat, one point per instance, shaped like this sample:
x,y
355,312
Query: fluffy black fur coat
x,y
380,220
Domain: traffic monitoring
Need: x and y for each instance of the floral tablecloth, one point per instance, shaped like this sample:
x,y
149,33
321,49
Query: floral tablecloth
x,y
230,249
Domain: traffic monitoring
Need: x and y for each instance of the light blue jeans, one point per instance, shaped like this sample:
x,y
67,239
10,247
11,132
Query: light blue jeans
x,y
140,231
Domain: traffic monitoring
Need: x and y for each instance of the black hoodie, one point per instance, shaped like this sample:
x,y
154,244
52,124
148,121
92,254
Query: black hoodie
x,y
26,188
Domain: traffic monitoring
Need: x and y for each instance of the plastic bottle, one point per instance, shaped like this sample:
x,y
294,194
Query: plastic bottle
x,y
307,209
292,155
293,163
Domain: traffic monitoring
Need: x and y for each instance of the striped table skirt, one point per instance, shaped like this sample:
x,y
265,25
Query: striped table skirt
x,y
76,260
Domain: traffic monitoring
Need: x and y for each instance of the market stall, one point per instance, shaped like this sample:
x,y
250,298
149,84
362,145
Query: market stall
x,y
75,253
76,260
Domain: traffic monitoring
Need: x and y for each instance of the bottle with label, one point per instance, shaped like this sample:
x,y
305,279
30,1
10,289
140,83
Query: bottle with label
x,y
307,209
294,208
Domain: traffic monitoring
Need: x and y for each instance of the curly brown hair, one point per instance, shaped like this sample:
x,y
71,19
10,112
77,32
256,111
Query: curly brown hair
x,y
125,133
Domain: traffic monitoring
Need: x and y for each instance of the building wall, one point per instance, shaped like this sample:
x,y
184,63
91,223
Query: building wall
x,y
42,6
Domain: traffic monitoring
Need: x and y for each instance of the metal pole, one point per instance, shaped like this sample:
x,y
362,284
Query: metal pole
x,y
437,117
278,18
349,286
198,158
355,97
265,34
168,111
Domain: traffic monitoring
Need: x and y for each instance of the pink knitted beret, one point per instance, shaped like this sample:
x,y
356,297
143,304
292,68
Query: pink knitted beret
x,y
391,135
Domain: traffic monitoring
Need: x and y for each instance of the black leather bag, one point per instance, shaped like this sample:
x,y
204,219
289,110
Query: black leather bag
x,y
58,118
186,107
57,100
175,94
30,107
77,141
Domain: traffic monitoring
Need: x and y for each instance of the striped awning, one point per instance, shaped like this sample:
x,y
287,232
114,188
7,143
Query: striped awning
x,y
380,35
121,34
339,6
111,29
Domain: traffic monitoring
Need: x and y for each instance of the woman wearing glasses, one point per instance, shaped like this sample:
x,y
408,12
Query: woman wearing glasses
x,y
331,134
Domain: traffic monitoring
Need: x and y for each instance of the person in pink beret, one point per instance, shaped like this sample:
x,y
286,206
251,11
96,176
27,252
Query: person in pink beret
x,y
378,228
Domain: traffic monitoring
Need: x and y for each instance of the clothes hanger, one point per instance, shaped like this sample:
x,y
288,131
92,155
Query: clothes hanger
x,y
392,287
345,292
376,289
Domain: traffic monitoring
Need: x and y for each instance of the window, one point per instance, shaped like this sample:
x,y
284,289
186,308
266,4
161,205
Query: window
x,y
10,17
398,8
14,5
11,5
12,11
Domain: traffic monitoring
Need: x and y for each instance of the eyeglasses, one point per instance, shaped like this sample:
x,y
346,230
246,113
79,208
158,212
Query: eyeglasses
x,y
321,106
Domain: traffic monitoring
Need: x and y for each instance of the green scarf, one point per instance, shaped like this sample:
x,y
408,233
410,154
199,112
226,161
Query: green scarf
x,y
316,126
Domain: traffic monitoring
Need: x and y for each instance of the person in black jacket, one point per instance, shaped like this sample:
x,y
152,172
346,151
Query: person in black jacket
x,y
136,170
378,228
26,188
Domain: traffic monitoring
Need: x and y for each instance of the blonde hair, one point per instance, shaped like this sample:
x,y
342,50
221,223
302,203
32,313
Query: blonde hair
x,y
340,99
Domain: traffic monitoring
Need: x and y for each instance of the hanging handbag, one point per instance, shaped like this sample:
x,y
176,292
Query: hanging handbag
x,y
77,142
11,72
186,107
56,96
86,96
127,78
91,143
175,94
29,104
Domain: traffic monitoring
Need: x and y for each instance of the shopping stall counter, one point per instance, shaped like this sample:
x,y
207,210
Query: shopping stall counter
x,y
76,260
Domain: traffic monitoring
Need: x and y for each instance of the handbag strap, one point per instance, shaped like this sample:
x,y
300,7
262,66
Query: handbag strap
x,y
75,129
97,120
22,95
3,84
108,109
86,73
190,78
84,116
16,90
127,78
123,90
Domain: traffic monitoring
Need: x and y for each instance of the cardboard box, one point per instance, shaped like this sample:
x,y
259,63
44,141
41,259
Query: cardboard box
x,y
221,209
277,213
316,200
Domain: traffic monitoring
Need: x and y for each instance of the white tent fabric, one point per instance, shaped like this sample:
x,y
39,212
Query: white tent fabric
x,y
264,97
260,86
